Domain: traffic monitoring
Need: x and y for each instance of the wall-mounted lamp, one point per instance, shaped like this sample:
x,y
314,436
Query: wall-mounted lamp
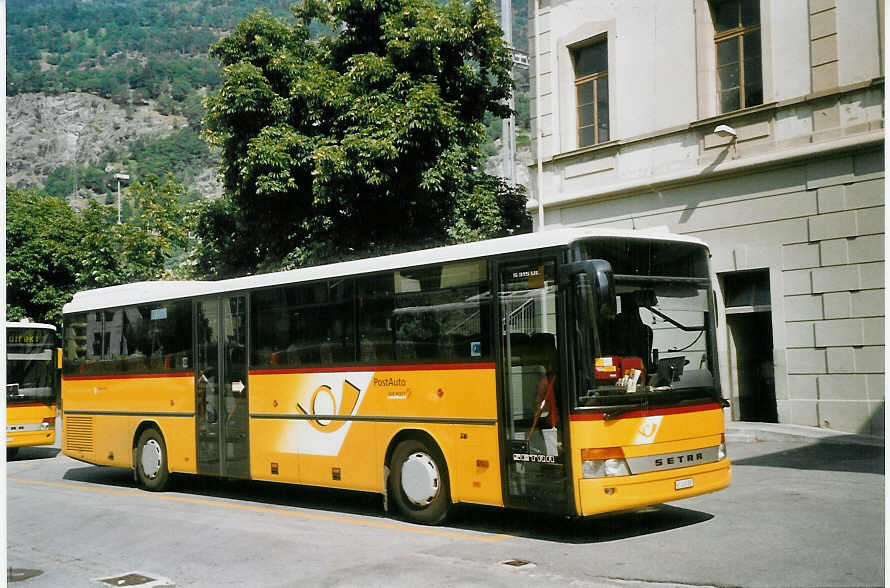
x,y
725,131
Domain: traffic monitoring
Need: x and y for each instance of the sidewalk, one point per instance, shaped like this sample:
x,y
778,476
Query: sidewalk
x,y
744,432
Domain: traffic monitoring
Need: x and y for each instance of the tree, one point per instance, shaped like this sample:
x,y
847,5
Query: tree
x,y
367,139
136,250
52,251
156,233
42,242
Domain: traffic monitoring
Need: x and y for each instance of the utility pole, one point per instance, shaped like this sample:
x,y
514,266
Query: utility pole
x,y
520,60
539,134
508,130
76,141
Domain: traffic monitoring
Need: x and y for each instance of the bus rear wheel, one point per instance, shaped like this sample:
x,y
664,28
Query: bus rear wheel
x,y
150,460
419,482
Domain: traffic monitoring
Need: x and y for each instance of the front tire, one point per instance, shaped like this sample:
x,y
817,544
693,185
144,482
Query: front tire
x,y
150,460
419,482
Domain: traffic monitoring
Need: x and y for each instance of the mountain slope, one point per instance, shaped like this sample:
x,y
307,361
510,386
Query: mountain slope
x,y
44,132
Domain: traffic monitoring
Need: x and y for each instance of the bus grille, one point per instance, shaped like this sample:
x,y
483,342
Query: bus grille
x,y
79,433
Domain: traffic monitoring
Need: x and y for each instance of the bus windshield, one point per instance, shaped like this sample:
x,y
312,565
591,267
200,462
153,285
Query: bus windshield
x,y
658,348
30,366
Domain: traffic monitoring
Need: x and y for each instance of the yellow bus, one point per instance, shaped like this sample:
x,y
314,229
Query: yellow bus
x,y
32,385
569,371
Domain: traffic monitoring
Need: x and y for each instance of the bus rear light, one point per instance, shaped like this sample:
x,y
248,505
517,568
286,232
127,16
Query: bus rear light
x,y
48,422
601,463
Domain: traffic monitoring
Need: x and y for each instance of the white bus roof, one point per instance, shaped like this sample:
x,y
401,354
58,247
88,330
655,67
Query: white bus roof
x,y
147,292
24,325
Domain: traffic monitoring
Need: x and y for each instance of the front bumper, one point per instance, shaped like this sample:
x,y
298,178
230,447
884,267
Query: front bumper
x,y
601,495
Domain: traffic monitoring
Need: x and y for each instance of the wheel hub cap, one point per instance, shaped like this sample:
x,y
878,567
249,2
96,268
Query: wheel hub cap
x,y
151,458
420,478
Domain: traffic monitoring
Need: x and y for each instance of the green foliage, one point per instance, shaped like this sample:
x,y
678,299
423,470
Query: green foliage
x,y
52,251
157,231
182,153
145,50
492,209
368,140
64,179
43,237
141,49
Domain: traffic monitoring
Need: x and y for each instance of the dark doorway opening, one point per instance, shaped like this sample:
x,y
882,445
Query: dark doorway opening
x,y
752,335
750,324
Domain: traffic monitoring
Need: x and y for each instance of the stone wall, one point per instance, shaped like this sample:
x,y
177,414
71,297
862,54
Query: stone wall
x,y
818,228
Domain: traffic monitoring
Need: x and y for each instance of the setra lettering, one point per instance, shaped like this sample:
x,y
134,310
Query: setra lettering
x,y
678,459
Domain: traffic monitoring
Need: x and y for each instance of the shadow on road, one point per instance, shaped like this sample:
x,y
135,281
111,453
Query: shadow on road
x,y
600,529
823,456
464,517
107,476
30,453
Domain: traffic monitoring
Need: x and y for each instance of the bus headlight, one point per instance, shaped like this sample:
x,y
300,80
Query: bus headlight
x,y
616,467
721,449
603,463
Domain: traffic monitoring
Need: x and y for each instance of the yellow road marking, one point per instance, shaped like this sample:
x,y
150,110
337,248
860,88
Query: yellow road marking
x,y
279,511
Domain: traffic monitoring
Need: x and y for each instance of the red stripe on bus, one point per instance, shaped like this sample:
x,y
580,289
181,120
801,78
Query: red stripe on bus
x,y
601,416
375,368
24,404
132,376
317,370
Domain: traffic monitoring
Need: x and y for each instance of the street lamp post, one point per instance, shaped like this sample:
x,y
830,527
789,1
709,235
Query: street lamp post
x,y
119,178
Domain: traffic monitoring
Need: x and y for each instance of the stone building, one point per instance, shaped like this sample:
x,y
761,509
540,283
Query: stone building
x,y
759,128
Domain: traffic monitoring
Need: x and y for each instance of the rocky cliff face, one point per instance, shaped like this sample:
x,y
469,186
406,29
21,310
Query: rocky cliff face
x,y
45,131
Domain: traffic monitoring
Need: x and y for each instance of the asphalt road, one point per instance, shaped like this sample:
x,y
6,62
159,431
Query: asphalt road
x,y
795,515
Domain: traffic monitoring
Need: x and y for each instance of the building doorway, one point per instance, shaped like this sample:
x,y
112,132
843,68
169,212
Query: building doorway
x,y
752,337
750,330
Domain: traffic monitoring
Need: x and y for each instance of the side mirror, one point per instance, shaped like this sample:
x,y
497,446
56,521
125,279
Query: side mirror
x,y
599,272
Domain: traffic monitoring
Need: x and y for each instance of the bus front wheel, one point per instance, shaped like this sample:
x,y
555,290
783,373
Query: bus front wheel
x,y
151,461
419,482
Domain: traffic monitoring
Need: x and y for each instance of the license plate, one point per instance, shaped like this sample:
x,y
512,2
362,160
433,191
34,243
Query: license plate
x,y
683,484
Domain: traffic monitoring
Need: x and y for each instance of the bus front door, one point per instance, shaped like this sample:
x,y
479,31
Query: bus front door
x,y
221,412
535,462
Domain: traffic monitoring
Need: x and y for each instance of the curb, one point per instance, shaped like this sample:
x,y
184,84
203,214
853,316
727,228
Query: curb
x,y
756,432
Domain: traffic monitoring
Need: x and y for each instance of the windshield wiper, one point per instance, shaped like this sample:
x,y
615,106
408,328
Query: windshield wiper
x,y
680,326
617,411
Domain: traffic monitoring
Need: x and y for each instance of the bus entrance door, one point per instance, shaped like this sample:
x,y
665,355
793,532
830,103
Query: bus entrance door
x,y
221,412
534,460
